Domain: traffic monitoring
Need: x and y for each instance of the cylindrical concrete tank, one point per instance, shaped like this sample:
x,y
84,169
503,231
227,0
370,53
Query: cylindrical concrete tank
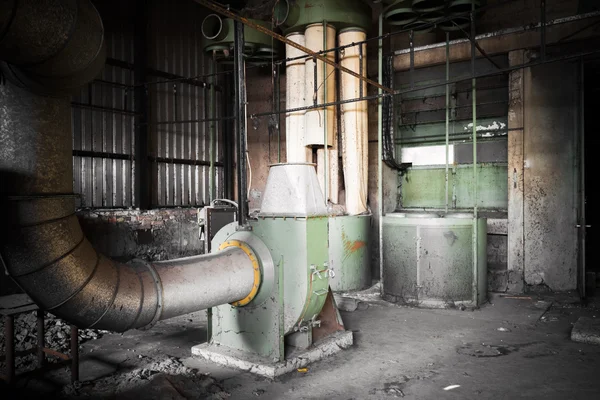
x,y
296,150
433,261
349,254
354,121
320,120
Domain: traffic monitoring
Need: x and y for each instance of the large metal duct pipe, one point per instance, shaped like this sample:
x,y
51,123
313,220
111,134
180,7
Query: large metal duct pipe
x,y
354,121
52,46
295,146
41,243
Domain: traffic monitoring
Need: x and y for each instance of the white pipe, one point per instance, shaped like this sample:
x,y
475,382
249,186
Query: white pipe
x,y
296,149
316,119
354,120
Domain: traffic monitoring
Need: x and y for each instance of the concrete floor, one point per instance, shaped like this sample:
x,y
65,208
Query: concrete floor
x,y
510,348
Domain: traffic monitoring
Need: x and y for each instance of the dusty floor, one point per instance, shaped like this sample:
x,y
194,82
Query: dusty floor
x,y
510,348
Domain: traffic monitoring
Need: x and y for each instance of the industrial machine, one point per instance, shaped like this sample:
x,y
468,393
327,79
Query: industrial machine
x,y
435,259
266,281
290,306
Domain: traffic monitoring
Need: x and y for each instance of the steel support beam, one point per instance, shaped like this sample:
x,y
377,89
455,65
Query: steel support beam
x,y
240,122
576,27
142,175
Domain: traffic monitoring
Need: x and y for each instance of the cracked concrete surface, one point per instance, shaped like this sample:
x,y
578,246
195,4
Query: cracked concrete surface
x,y
513,347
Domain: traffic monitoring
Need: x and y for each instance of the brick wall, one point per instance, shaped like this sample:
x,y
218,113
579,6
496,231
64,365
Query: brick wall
x,y
152,235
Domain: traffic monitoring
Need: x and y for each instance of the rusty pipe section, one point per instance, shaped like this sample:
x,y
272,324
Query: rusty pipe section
x,y
41,243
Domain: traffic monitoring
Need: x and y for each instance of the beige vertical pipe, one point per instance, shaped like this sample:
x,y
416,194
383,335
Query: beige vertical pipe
x,y
316,119
354,122
319,119
294,97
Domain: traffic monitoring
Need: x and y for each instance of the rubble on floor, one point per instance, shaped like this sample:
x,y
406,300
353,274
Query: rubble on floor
x,y
161,378
586,330
57,335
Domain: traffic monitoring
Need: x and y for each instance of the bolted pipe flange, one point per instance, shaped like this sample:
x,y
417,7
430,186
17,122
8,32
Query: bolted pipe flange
x,y
255,265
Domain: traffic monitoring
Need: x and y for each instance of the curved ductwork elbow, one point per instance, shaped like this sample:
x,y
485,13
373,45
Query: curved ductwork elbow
x,y
53,47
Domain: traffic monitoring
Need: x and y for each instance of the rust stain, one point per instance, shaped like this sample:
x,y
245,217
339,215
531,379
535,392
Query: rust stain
x,y
351,246
354,246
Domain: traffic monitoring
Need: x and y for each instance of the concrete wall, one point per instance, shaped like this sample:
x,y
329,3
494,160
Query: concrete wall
x,y
550,175
543,172
149,235
497,261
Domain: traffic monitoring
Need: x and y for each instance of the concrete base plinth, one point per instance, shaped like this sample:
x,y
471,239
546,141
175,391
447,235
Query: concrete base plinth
x,y
586,330
258,365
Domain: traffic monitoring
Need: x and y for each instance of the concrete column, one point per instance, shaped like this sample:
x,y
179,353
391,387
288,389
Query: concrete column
x,y
516,254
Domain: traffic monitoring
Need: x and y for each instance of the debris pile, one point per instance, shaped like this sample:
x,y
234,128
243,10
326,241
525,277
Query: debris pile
x,y
161,378
57,334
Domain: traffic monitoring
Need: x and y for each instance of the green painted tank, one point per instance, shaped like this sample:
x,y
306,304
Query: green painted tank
x,y
294,16
349,254
219,37
435,260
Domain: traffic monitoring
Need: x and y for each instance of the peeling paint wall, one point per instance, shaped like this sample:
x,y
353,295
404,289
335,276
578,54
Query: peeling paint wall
x,y
550,175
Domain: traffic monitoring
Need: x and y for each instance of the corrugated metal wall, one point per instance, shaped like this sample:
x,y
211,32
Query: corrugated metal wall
x,y
100,180
104,126
177,40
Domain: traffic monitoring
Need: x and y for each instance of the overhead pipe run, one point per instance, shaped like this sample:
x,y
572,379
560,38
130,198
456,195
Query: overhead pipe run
x,y
42,245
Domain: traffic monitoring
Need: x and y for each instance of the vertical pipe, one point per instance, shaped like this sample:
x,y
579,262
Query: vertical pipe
x,y
474,105
315,82
361,71
320,122
40,338
240,104
277,108
295,96
211,131
411,43
583,219
141,171
447,111
74,354
475,182
354,123
325,123
380,146
543,30
228,139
